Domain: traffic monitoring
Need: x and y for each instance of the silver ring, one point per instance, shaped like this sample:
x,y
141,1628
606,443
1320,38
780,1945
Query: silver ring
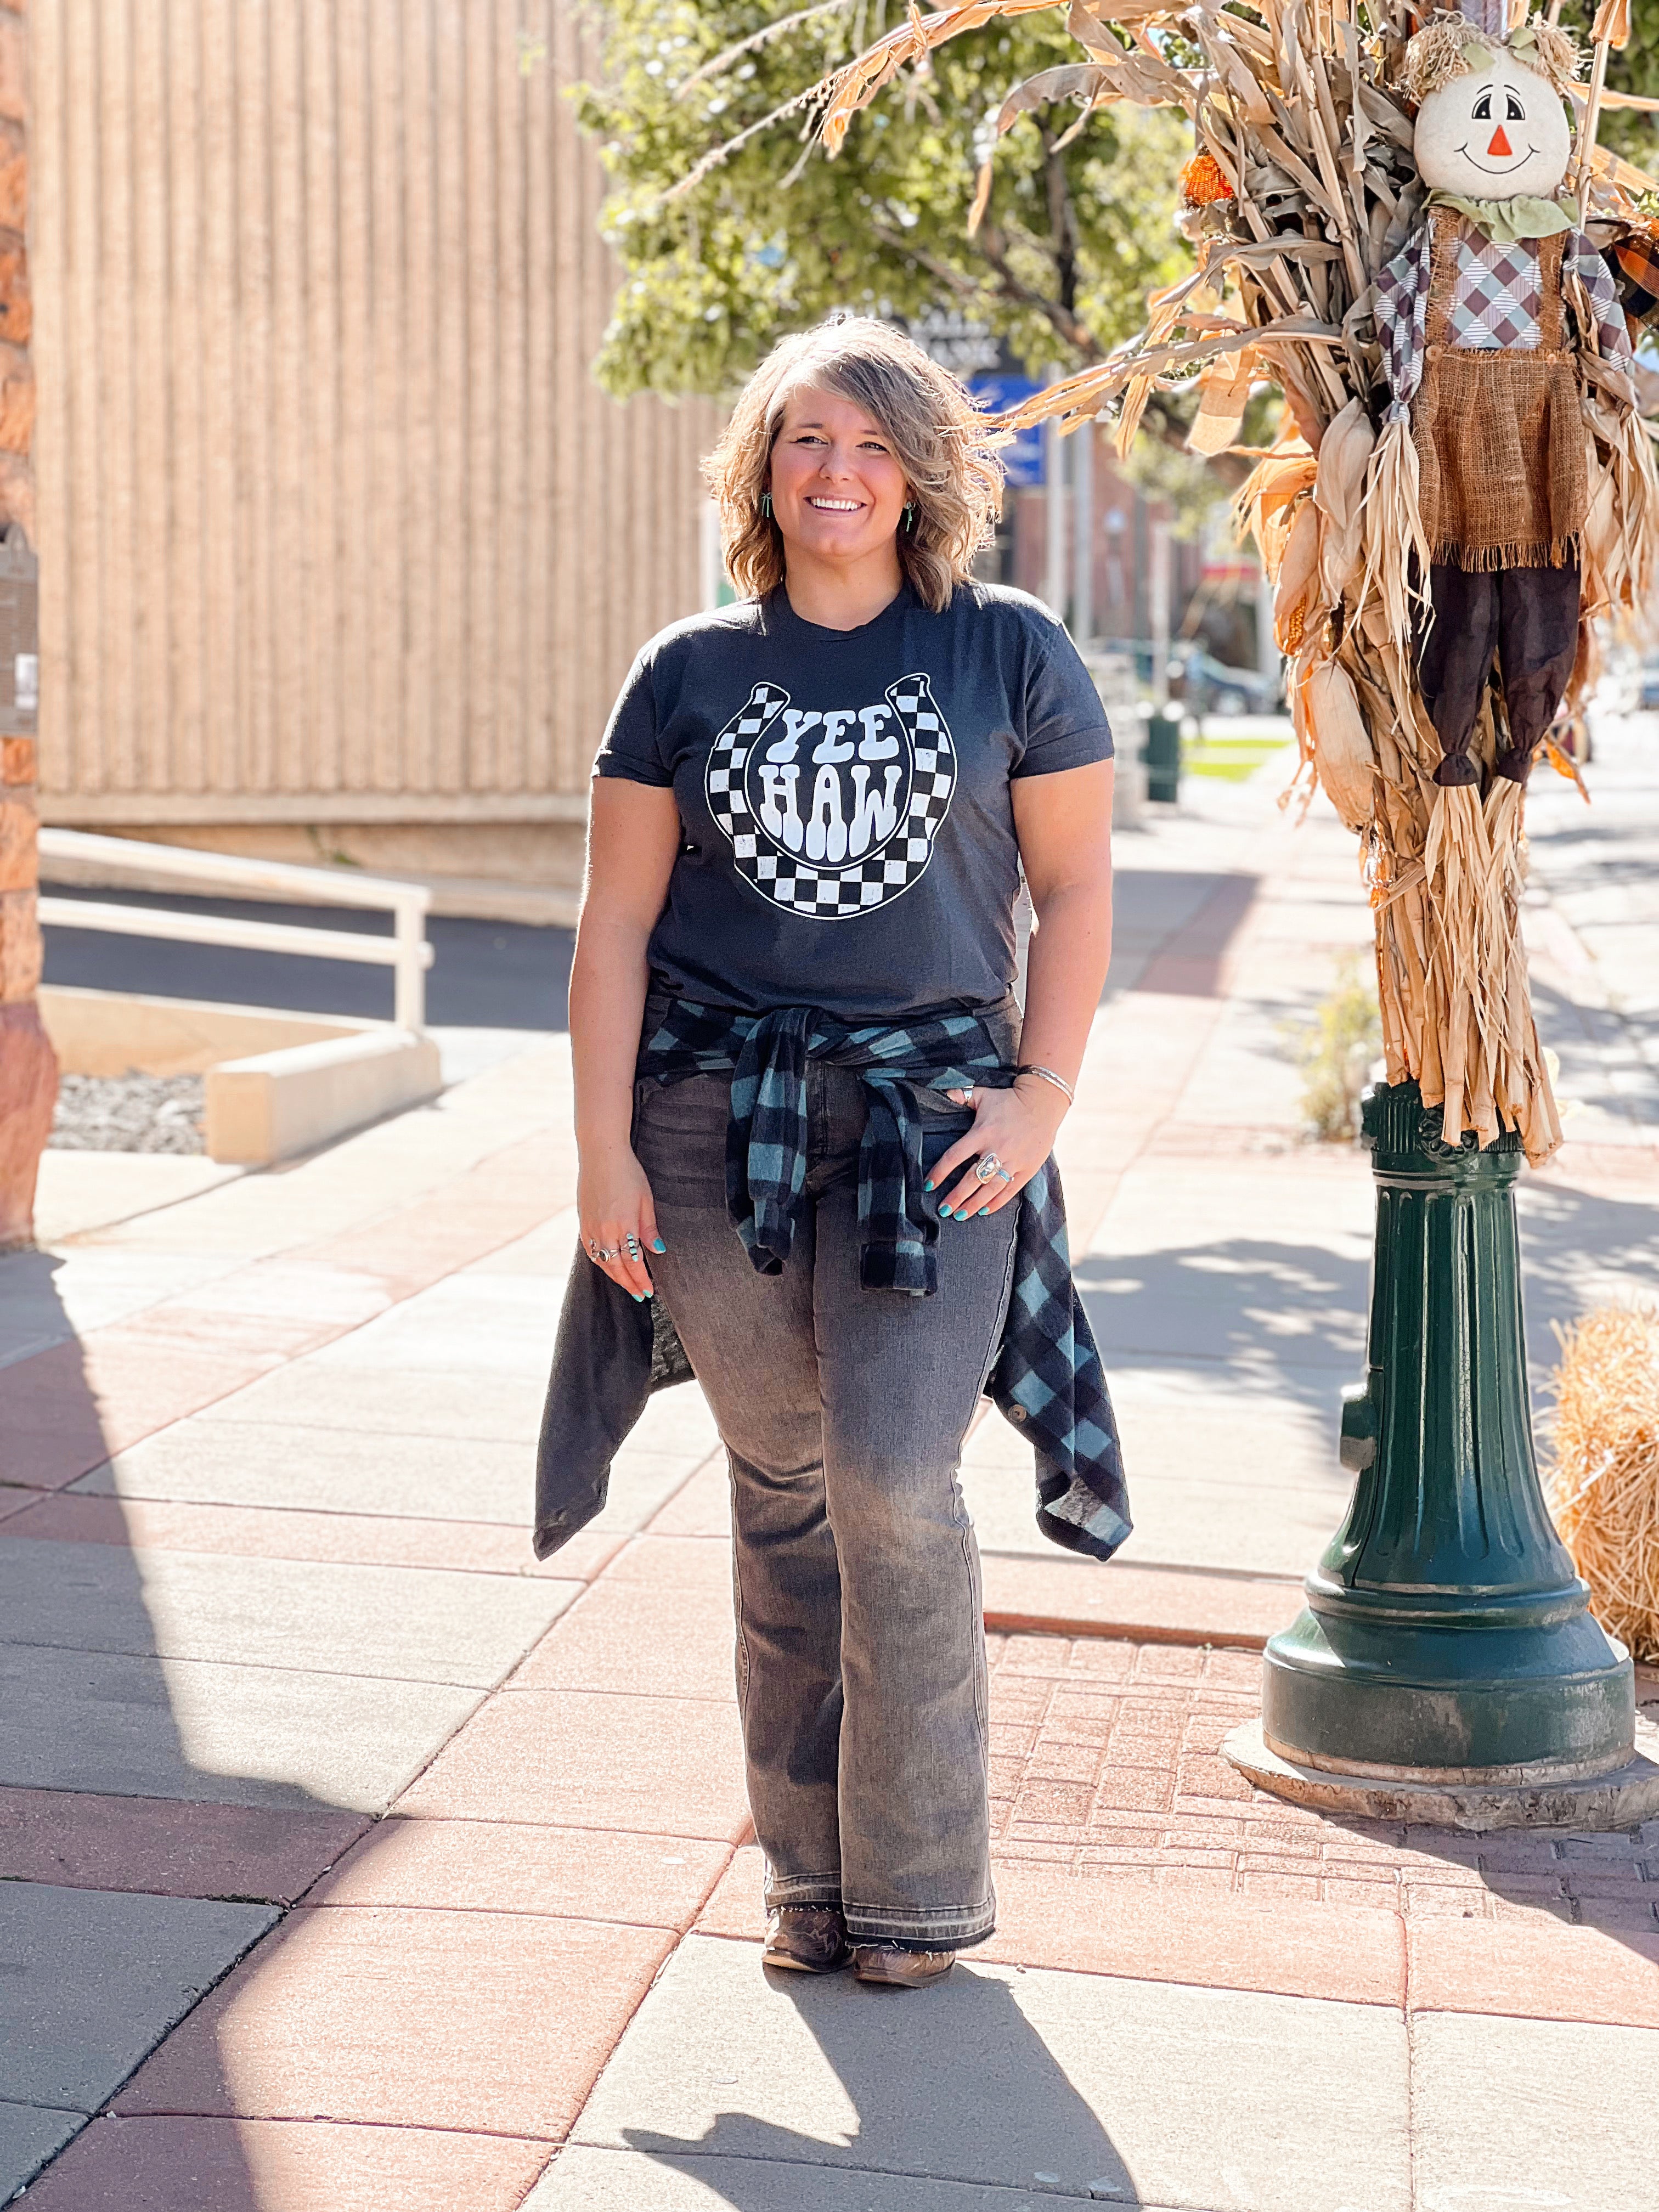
x,y
988,1167
1004,1173
633,1244
603,1252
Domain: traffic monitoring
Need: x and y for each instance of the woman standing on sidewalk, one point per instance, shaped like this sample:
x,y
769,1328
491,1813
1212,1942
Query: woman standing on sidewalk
x,y
797,1052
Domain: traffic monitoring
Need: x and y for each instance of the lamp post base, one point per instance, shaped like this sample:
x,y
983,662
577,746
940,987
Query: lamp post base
x,y
1446,1646
1471,1799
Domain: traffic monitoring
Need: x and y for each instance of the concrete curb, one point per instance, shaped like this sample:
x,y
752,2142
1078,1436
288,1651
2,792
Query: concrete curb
x,y
1143,1605
277,1104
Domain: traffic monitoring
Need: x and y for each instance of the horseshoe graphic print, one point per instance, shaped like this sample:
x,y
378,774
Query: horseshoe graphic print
x,y
833,813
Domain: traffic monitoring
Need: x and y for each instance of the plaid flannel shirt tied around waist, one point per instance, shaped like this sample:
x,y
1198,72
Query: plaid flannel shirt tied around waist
x,y
1046,1377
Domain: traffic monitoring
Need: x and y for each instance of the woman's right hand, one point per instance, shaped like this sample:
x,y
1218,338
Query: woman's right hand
x,y
613,1204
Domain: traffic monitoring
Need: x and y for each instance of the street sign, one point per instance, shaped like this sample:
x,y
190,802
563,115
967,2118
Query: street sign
x,y
1024,459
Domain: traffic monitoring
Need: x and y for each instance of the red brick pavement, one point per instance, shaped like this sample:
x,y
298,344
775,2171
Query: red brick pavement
x,y
1106,1761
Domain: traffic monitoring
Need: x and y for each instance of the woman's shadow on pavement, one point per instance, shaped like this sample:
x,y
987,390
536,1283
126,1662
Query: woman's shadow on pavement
x,y
910,2092
140,1857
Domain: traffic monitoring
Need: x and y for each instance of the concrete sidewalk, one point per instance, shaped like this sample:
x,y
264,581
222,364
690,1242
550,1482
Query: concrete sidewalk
x,y
355,1860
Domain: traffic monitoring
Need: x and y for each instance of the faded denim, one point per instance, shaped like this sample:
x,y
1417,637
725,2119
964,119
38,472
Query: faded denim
x,y
860,1647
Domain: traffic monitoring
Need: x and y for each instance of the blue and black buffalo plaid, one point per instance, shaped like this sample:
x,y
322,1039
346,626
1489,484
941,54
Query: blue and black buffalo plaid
x,y
1046,1377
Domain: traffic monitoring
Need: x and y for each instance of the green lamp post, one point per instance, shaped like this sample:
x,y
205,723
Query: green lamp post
x,y
1447,1665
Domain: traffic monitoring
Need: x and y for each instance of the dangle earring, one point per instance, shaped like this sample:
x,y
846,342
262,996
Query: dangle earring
x,y
908,520
766,504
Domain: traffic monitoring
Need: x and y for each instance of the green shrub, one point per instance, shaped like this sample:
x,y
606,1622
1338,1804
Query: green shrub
x,y
1336,1050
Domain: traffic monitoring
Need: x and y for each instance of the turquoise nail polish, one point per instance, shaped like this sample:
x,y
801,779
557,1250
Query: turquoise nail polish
x,y
928,1185
945,1213
638,1297
656,1244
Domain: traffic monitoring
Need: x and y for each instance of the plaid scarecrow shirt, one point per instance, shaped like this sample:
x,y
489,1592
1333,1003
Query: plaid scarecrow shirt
x,y
1495,303
1046,1377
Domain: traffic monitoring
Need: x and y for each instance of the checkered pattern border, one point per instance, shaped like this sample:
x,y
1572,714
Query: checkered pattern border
x,y
815,890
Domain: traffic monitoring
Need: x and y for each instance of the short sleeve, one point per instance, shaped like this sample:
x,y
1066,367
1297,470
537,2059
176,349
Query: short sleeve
x,y
629,748
1066,725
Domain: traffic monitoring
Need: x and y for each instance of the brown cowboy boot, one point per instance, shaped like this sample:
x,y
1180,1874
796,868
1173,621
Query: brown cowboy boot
x,y
898,1968
808,1939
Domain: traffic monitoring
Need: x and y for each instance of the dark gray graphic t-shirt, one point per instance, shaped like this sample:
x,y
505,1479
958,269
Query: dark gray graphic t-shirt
x,y
844,795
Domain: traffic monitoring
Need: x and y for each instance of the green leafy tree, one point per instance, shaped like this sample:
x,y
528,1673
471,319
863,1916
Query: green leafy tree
x,y
773,235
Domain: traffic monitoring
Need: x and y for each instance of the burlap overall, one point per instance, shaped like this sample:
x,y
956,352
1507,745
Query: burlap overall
x,y
1500,448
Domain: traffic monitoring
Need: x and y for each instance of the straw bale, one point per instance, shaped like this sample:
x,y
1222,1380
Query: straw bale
x,y
1604,1477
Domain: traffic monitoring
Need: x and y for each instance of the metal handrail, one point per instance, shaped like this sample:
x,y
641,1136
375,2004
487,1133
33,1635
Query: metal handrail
x,y
406,950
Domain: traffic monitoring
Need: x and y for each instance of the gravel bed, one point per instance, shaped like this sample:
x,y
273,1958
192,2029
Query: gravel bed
x,y
129,1114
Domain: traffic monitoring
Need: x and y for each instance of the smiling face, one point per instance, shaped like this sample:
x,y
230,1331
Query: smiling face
x,y
1494,134
837,488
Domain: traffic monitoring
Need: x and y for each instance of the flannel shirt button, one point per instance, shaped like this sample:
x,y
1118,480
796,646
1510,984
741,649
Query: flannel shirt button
x,y
1435,352
1017,1413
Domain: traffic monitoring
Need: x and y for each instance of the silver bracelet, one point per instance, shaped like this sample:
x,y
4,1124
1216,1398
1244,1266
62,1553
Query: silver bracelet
x,y
1048,1076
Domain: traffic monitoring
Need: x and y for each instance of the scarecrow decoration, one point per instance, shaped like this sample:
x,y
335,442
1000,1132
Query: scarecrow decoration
x,y
1483,360
1392,221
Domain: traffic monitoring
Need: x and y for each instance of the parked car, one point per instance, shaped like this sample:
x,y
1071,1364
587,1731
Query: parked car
x,y
1210,687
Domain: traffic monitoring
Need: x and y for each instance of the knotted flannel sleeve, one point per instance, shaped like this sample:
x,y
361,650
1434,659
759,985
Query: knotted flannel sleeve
x,y
1402,306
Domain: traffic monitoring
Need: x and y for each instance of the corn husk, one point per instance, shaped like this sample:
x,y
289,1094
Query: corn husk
x,y
1344,453
1335,741
1296,599
1265,504
1225,393
1300,107
1396,551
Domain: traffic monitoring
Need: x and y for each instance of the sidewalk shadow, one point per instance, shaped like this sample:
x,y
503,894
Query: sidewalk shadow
x,y
1593,1043
105,1880
1291,1317
959,2064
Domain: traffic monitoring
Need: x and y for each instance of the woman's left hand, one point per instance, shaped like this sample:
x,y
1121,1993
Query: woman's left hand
x,y
1018,1126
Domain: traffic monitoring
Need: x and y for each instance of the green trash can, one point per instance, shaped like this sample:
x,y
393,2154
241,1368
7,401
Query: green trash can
x,y
1162,754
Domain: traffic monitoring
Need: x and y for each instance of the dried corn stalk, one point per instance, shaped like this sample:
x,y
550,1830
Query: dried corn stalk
x,y
1309,189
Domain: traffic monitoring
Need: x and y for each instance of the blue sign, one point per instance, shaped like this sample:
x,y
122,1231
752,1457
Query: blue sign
x,y
1024,459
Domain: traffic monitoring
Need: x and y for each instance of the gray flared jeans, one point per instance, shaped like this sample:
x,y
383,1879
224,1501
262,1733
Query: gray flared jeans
x,y
861,1647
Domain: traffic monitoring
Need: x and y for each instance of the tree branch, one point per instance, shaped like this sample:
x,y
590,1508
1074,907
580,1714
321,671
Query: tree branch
x,y
1062,220
1058,312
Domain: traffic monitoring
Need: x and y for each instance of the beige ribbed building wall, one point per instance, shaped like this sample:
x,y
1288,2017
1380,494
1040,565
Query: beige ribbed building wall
x,y
336,531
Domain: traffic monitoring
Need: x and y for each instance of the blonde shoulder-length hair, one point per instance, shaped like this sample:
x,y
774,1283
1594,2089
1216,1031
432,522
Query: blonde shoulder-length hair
x,y
946,447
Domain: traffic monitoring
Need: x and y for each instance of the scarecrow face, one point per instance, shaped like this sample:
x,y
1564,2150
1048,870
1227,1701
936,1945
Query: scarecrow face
x,y
1496,133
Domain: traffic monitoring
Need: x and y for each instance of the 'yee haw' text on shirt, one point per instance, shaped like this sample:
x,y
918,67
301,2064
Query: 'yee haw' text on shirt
x,y
845,795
